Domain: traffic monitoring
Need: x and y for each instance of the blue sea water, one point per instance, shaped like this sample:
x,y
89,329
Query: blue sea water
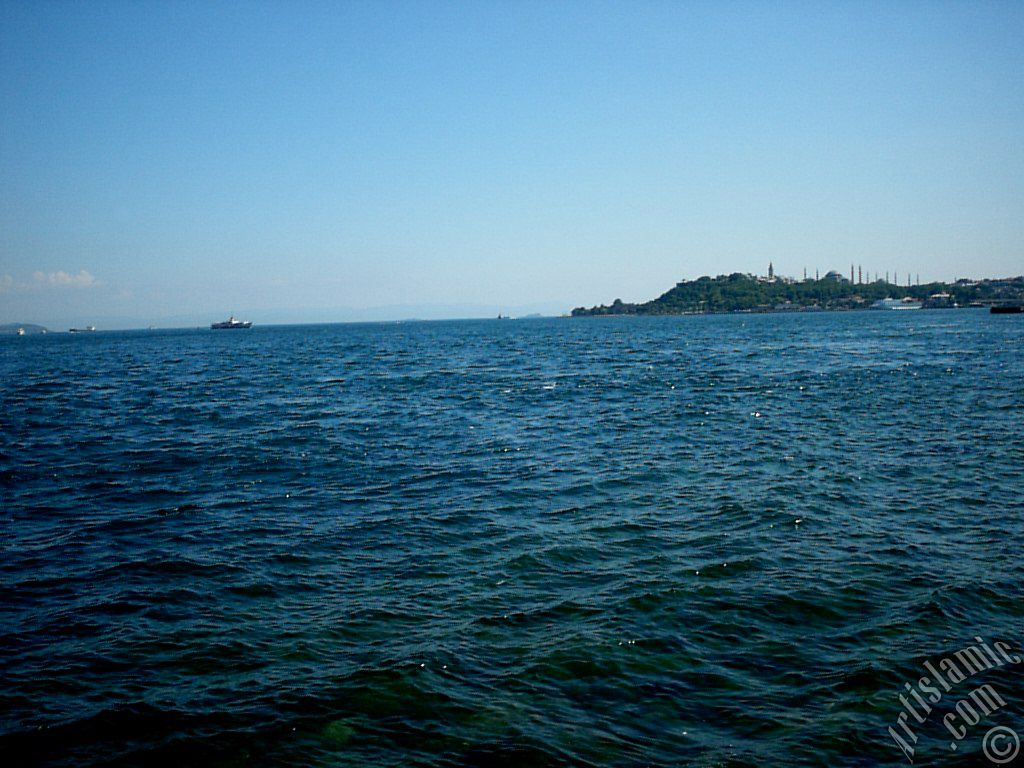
x,y
708,540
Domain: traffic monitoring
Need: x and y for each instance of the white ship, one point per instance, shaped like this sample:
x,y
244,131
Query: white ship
x,y
905,303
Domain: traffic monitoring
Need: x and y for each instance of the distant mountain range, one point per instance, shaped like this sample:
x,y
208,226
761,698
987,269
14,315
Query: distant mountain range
x,y
746,293
263,316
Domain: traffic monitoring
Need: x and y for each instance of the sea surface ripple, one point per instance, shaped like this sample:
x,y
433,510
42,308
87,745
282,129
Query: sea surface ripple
x,y
708,540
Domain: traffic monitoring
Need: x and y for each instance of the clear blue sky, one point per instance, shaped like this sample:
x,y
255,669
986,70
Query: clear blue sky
x,y
315,161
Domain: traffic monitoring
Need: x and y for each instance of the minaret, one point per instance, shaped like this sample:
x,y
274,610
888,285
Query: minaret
x,y
771,271
816,278
860,276
851,273
805,274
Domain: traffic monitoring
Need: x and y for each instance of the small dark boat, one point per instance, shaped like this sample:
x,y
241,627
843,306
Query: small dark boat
x,y
1007,309
231,324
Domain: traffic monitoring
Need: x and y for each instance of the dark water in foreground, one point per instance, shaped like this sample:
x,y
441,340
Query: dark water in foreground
x,y
535,543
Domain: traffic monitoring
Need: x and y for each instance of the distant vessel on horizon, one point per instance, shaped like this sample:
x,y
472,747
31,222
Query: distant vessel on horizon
x,y
87,329
230,324
906,303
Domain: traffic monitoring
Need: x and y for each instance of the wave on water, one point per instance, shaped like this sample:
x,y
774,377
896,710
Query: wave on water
x,y
702,541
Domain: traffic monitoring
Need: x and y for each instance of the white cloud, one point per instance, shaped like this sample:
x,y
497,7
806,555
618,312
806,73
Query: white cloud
x,y
61,278
6,283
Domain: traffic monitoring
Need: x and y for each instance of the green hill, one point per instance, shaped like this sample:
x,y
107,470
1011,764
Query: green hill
x,y
745,293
